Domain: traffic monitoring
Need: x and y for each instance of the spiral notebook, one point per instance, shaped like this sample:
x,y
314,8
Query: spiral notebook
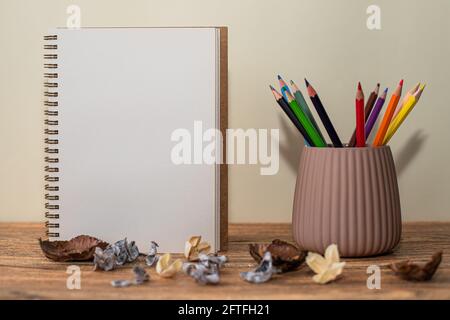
x,y
114,98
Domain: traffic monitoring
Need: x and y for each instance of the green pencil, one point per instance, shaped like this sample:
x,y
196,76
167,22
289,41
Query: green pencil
x,y
304,120
302,102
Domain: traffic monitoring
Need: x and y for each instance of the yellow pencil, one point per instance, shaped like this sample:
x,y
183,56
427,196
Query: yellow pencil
x,y
408,94
403,113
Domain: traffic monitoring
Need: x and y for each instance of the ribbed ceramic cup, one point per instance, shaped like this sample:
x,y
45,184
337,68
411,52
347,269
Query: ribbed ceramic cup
x,y
347,196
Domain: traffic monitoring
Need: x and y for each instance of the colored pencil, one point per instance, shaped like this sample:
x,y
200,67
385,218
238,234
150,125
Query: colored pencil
x,y
287,109
388,115
407,108
375,112
302,102
360,119
283,87
405,99
367,110
323,115
306,123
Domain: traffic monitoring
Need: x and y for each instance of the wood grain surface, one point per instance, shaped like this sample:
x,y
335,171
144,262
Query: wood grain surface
x,y
26,274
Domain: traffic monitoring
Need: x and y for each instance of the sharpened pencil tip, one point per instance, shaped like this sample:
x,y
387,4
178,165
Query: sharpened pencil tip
x,y
386,90
279,77
291,82
271,87
359,86
307,83
401,83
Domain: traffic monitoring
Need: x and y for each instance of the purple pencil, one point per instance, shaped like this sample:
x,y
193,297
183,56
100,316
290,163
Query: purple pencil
x,y
375,112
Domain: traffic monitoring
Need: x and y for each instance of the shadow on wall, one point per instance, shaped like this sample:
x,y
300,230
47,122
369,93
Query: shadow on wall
x,y
291,150
410,149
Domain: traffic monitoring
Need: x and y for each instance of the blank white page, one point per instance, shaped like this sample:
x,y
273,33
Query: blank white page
x,y
122,92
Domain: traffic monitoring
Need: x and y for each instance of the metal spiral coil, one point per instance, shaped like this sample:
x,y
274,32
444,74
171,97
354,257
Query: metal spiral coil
x,y
51,137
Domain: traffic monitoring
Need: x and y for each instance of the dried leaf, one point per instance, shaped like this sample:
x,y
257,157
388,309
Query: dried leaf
x,y
417,272
262,273
80,248
285,256
327,268
193,247
165,268
152,257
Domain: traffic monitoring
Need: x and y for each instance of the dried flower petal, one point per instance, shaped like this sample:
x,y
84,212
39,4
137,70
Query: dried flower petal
x,y
140,276
209,260
152,257
80,248
190,245
133,251
202,274
115,254
327,268
417,272
193,247
104,259
262,273
121,283
166,269
285,256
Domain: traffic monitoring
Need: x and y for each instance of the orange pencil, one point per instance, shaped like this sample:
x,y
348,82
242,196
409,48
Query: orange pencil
x,y
378,141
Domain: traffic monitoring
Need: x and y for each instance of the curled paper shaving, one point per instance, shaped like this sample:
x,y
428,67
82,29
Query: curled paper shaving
x,y
140,276
193,247
206,270
152,257
328,267
80,248
165,268
115,254
417,272
263,271
285,256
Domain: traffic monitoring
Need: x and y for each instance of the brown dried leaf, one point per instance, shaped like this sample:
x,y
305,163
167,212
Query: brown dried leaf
x,y
285,256
80,248
417,272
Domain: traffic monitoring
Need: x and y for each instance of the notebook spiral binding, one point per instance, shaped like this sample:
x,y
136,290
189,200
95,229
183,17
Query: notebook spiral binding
x,y
51,136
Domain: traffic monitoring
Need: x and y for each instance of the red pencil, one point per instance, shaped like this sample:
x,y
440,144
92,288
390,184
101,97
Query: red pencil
x,y
360,121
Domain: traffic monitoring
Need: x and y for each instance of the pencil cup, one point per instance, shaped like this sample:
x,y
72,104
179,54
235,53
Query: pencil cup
x,y
347,196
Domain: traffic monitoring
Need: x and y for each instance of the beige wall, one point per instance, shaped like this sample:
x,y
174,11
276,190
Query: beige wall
x,y
327,41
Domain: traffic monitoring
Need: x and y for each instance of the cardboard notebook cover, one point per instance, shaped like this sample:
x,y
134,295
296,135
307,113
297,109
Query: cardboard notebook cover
x,y
113,96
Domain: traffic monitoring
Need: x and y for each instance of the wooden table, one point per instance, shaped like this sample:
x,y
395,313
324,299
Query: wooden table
x,y
26,274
